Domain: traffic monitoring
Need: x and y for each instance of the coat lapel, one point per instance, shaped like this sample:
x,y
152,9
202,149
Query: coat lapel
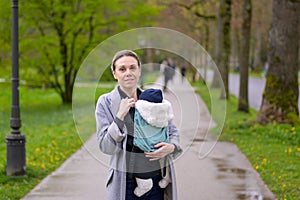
x,y
115,101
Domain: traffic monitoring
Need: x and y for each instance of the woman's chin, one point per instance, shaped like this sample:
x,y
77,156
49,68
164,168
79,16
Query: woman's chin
x,y
129,84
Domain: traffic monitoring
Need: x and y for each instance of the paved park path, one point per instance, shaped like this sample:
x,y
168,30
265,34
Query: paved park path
x,y
256,88
223,174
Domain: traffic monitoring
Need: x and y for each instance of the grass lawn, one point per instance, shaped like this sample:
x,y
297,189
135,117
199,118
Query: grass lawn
x,y
51,136
273,150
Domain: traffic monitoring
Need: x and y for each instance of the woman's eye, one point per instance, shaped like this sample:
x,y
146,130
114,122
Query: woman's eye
x,y
133,67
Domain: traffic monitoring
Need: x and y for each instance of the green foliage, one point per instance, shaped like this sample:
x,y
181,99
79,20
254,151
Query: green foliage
x,y
273,150
293,117
5,39
56,36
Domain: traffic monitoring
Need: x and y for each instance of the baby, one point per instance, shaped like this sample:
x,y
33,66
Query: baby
x,y
151,119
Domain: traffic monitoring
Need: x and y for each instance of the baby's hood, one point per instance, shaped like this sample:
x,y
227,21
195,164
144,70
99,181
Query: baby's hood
x,y
156,114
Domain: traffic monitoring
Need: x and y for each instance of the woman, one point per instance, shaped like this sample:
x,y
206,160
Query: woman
x,y
114,116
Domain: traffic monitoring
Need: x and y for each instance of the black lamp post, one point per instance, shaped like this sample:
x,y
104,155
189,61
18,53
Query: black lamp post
x,y
15,141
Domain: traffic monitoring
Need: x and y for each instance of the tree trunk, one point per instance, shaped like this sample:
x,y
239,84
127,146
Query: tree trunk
x,y
243,104
225,8
207,33
67,95
280,97
258,65
236,49
218,47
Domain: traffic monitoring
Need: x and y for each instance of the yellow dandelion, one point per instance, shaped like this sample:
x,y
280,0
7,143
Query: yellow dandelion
x,y
43,165
51,159
256,167
289,150
37,149
264,161
293,129
298,149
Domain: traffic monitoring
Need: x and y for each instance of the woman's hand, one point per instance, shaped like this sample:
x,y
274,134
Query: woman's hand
x,y
163,150
125,105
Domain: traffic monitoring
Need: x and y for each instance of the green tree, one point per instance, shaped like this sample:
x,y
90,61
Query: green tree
x,y
5,39
280,97
60,33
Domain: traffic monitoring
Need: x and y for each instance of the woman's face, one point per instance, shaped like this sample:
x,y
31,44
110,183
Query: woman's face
x,y
127,72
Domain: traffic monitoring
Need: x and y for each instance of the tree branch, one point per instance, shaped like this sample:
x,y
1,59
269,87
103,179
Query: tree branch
x,y
192,7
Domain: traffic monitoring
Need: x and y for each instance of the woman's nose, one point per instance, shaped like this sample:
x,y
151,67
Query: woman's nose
x,y
128,72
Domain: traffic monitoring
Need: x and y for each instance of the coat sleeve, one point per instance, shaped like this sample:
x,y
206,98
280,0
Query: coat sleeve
x,y
109,135
174,139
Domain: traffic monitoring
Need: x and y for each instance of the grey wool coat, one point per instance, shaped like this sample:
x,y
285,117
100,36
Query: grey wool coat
x,y
112,141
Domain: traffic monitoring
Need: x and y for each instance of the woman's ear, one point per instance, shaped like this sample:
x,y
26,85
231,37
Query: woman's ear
x,y
113,73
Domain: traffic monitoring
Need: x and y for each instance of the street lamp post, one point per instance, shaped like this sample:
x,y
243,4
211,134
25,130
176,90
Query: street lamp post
x,y
15,141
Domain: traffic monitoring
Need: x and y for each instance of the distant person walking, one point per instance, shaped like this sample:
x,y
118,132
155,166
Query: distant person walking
x,y
167,76
172,65
168,73
183,71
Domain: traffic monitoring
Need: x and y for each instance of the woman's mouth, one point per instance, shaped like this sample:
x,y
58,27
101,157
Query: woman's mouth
x,y
129,80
